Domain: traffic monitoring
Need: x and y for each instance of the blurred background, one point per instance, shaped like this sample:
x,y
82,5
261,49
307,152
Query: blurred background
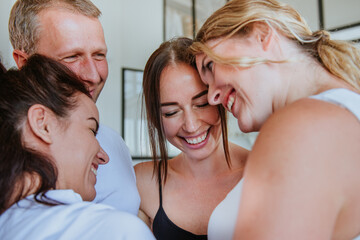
x,y
135,28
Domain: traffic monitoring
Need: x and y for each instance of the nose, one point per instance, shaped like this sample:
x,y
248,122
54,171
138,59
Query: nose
x,y
191,121
89,72
214,95
102,156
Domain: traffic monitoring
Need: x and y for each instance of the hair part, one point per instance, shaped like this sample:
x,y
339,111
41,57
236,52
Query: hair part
x,y
235,18
171,52
41,81
24,25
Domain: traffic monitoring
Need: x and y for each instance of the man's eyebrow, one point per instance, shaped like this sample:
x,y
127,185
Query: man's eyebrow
x,y
96,121
200,94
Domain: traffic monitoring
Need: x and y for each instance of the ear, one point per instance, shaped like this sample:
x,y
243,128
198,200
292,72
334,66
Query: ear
x,y
20,57
40,118
264,34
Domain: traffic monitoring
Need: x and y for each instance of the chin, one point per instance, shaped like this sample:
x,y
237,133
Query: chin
x,y
89,196
245,128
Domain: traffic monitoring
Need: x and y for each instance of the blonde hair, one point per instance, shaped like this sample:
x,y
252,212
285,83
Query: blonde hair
x,y
24,25
235,18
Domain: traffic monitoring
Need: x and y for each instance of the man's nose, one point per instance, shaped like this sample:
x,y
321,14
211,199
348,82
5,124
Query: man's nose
x,y
89,72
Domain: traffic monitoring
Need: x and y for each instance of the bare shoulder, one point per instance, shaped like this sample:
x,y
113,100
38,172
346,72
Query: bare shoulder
x,y
304,167
238,154
307,133
147,186
310,117
144,172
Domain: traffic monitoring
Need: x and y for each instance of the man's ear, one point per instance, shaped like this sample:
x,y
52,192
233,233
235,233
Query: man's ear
x,y
20,57
40,121
264,33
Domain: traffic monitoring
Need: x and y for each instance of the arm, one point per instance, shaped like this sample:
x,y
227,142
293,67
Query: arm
x,y
293,179
148,190
145,218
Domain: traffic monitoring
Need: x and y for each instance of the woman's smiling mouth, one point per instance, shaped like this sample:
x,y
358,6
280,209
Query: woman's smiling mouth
x,y
230,100
198,139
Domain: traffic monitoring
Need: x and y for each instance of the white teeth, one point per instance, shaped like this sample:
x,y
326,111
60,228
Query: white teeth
x,y
197,140
230,103
94,170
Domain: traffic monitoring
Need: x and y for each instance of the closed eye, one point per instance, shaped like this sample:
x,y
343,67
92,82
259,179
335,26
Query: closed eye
x,y
94,131
203,105
169,114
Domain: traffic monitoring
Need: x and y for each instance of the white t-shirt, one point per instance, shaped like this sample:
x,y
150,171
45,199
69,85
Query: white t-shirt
x,y
116,182
28,219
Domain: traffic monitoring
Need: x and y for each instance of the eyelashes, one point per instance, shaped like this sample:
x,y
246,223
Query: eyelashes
x,y
170,114
94,131
203,105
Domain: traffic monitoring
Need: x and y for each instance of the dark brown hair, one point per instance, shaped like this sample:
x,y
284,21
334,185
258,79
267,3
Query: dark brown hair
x,y
41,81
170,52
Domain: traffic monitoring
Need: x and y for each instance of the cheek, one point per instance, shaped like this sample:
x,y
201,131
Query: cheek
x,y
211,115
74,67
171,127
102,67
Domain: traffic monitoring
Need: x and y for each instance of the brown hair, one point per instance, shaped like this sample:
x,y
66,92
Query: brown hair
x,y
24,25
341,58
170,52
41,81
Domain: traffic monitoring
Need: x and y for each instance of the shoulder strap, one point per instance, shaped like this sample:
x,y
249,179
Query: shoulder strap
x,y
160,189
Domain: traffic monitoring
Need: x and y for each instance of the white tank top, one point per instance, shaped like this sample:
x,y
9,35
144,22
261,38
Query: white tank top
x,y
223,219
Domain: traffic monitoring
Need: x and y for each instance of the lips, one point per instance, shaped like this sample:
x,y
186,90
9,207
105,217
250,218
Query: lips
x,y
94,169
198,139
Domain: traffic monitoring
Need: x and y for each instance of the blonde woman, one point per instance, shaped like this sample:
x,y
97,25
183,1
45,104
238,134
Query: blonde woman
x,y
300,89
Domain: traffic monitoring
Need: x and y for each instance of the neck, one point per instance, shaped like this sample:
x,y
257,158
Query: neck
x,y
305,78
26,185
214,164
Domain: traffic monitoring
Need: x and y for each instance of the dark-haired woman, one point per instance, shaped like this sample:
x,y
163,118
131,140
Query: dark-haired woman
x,y
178,195
49,158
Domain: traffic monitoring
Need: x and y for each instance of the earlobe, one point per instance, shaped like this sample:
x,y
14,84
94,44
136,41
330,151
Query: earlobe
x,y
20,57
39,118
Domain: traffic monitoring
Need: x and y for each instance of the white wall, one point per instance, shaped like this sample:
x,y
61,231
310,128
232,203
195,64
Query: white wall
x,y
5,46
133,30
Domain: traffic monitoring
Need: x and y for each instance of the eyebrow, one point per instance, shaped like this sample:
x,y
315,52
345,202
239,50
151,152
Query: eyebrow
x,y
96,121
193,98
168,104
200,94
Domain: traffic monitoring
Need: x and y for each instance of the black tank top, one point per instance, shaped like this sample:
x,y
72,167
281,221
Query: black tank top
x,y
165,229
